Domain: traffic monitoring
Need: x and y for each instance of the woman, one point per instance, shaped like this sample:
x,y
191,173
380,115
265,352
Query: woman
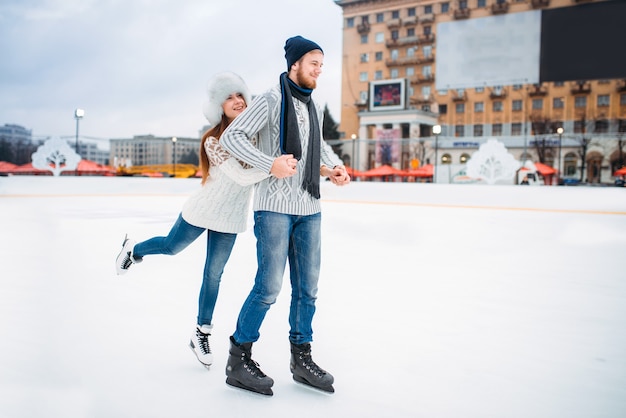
x,y
219,207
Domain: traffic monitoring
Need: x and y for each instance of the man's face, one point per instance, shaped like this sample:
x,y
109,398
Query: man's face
x,y
308,69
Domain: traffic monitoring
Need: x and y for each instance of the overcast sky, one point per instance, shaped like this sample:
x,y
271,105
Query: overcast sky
x,y
140,66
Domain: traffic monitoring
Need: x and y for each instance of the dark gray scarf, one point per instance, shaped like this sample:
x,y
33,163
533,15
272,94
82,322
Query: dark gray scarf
x,y
290,134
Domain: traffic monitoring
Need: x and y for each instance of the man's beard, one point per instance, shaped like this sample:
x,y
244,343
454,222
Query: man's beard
x,y
303,82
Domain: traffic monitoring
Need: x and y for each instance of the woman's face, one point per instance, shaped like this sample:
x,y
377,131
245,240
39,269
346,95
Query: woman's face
x,y
233,106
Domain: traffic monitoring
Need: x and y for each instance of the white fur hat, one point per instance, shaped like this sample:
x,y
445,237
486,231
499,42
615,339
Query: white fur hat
x,y
219,87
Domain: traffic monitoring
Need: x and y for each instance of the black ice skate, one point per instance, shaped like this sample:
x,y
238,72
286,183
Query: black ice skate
x,y
305,370
244,373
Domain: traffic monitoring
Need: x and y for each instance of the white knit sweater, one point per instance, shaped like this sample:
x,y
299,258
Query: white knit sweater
x,y
223,201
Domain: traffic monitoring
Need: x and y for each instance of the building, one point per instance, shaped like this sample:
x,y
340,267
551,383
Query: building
x,y
151,150
390,102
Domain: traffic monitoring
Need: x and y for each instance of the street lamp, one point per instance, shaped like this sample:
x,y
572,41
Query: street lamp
x,y
78,115
174,139
436,132
559,131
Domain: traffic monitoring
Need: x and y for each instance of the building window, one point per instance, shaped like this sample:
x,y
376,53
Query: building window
x,y
621,126
410,32
443,109
410,71
364,39
462,4
517,87
479,89
603,100
478,130
557,103
395,14
394,34
380,17
442,92
569,164
428,9
579,127
459,130
445,7
426,91
393,73
363,76
478,107
496,129
559,84
411,11
350,22
378,56
537,104
394,54
379,38
622,99
460,108
363,96
602,126
481,3
410,52
365,19
378,75
517,105
428,51
365,58
580,101
497,106
516,129
427,70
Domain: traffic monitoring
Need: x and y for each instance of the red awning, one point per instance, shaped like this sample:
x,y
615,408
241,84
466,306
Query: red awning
x,y
620,172
425,171
383,170
545,170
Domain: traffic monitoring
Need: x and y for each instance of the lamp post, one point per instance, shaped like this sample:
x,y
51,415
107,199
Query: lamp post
x,y
436,131
559,131
353,160
78,115
174,139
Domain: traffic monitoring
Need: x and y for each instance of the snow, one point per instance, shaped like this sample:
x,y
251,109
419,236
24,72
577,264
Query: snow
x,y
438,301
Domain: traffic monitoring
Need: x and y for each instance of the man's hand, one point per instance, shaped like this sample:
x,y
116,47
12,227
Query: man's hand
x,y
284,166
337,175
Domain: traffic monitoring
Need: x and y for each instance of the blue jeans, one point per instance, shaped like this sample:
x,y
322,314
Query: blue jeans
x,y
218,249
282,237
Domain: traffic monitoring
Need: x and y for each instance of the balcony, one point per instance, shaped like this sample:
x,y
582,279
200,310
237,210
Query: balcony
x,y
427,39
394,23
427,18
420,99
461,13
536,4
499,8
422,79
621,86
364,28
458,96
581,87
497,93
407,40
391,62
537,90
410,21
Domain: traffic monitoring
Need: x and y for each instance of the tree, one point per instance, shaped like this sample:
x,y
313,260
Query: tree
x,y
330,132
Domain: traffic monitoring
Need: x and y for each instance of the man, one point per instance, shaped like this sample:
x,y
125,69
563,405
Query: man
x,y
287,213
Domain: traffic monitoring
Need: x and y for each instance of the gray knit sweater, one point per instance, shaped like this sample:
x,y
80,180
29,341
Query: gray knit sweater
x,y
223,202
262,118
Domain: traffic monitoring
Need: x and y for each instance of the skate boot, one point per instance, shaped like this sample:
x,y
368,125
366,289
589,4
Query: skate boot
x,y
125,258
199,344
305,370
244,373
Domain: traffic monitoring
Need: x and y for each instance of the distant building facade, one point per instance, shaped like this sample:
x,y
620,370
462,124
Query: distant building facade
x,y
393,43
151,150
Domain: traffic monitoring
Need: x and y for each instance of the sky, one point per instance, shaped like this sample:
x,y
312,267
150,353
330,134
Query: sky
x,y
435,301
140,67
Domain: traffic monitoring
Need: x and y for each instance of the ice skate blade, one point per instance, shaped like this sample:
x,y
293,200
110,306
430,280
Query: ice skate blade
x,y
325,389
207,366
236,384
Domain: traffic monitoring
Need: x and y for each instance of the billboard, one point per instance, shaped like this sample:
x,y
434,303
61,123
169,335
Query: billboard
x,y
388,94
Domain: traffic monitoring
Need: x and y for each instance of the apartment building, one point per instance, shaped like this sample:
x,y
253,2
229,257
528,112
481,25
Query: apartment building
x,y
151,150
390,101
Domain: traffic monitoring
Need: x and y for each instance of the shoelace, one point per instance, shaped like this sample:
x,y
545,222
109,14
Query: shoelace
x,y
127,261
251,366
307,362
204,342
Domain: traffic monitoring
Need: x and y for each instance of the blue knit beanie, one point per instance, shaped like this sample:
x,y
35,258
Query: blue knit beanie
x,y
296,47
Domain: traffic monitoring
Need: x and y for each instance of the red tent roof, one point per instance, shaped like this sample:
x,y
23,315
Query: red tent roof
x,y
544,170
620,172
383,170
424,171
6,167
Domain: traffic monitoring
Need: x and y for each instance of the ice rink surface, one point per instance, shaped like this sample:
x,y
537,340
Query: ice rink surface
x,y
435,301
